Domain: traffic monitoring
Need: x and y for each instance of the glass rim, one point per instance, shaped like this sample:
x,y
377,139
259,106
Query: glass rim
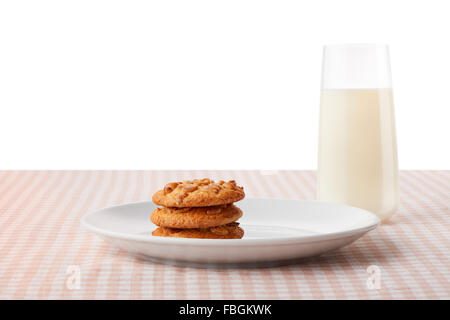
x,y
356,45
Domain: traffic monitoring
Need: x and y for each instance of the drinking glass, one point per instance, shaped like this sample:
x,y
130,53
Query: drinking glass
x,y
357,163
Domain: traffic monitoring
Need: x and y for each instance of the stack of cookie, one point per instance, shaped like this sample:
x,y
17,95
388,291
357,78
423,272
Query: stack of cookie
x,y
198,209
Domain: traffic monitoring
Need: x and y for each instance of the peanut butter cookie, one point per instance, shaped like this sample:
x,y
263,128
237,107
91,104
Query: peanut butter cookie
x,y
227,231
196,217
198,193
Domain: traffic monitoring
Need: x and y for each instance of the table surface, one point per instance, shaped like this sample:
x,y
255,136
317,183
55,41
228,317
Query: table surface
x,y
43,248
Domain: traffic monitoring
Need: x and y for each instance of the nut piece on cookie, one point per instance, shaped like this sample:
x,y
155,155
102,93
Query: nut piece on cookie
x,y
198,193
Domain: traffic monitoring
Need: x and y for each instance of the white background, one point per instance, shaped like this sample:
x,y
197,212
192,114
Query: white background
x,y
205,84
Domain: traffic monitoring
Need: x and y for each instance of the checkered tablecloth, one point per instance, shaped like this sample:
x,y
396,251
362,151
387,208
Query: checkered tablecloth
x,y
43,248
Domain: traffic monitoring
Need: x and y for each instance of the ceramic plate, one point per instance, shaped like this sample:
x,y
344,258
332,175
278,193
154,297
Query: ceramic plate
x,y
275,231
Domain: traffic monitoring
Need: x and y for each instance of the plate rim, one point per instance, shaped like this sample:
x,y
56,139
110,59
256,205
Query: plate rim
x,y
232,242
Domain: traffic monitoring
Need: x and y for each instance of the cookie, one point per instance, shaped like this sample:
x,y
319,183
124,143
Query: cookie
x,y
227,231
196,217
198,193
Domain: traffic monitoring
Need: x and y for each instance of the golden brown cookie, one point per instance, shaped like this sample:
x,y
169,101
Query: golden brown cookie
x,y
228,231
198,193
196,217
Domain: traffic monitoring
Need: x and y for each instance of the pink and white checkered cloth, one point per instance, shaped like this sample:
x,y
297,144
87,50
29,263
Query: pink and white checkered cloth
x,y
41,241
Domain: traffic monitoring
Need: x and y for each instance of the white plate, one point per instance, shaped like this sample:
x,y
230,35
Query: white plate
x,y
275,230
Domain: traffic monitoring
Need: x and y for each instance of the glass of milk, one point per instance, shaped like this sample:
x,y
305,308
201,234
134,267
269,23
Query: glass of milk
x,y
357,144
